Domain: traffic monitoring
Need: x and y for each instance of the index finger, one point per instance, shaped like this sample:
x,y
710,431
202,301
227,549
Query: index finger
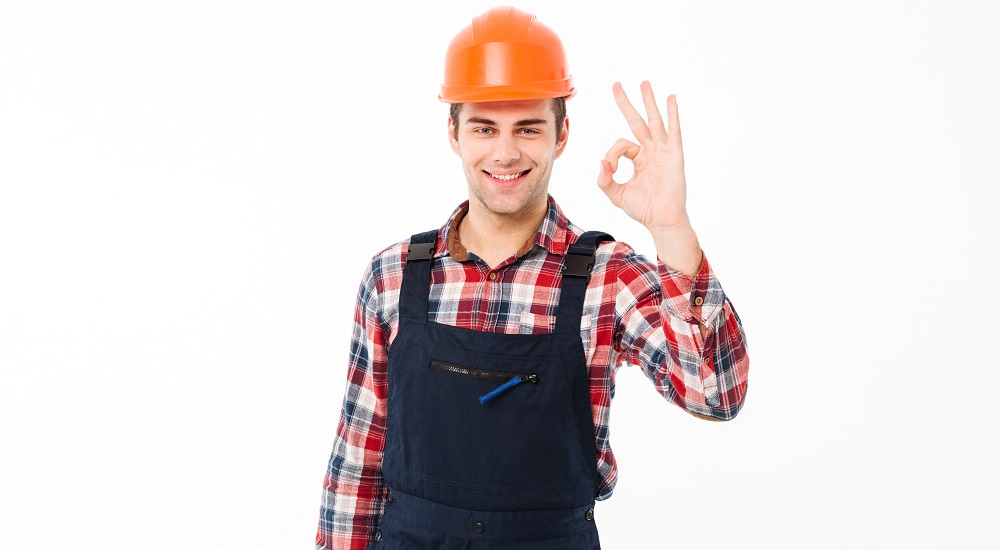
x,y
635,121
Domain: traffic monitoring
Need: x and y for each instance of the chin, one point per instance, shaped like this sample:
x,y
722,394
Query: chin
x,y
513,201
504,207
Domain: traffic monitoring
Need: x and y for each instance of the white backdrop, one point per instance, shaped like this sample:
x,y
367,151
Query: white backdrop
x,y
189,192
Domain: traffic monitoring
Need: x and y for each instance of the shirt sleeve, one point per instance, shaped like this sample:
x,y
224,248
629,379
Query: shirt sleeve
x,y
659,310
354,491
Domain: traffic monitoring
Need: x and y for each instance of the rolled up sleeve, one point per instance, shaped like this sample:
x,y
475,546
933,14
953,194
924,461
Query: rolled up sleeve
x,y
659,311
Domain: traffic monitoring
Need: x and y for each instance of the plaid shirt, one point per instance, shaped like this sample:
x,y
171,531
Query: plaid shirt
x,y
635,312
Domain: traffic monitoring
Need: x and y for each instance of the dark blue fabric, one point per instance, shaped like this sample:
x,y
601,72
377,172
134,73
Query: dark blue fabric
x,y
524,454
414,523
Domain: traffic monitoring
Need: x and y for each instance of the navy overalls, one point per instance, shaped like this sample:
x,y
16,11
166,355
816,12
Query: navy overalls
x,y
490,438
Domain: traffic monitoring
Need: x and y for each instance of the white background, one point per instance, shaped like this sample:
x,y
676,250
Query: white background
x,y
189,192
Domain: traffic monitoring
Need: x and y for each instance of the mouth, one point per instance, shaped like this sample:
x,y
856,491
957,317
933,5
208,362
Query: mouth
x,y
507,180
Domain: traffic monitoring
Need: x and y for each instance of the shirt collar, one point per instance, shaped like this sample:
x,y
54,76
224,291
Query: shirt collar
x,y
552,234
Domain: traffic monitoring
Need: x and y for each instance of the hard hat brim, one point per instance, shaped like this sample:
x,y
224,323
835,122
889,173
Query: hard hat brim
x,y
533,90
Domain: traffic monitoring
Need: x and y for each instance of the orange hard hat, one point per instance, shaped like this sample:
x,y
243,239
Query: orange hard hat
x,y
505,54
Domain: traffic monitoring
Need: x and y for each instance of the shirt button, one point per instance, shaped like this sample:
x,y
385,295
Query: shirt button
x,y
378,535
706,360
493,276
479,527
699,300
589,516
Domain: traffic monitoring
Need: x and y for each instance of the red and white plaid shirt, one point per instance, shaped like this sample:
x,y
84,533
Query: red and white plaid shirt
x,y
635,312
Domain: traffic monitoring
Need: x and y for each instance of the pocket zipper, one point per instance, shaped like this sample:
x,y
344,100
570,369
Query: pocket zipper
x,y
509,379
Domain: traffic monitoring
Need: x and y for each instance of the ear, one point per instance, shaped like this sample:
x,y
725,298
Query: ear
x,y
451,137
561,145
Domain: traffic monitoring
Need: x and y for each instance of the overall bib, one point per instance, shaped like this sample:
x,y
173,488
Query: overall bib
x,y
490,437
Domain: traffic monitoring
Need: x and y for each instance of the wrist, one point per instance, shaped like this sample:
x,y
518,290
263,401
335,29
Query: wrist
x,y
677,247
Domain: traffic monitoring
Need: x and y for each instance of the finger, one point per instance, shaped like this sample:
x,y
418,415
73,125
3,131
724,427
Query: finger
x,y
605,180
622,148
674,121
656,127
635,121
611,188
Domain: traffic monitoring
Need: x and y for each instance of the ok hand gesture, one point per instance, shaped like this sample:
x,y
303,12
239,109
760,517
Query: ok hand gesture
x,y
655,196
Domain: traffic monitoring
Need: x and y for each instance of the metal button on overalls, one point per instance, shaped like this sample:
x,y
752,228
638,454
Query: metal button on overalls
x,y
487,430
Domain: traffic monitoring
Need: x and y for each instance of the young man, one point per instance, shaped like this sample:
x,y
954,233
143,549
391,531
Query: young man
x,y
483,355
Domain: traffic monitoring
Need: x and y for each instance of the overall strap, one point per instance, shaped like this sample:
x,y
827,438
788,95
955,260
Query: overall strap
x,y
578,263
417,276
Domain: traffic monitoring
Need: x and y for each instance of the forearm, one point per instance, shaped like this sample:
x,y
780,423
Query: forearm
x,y
722,365
677,248
354,491
689,341
354,497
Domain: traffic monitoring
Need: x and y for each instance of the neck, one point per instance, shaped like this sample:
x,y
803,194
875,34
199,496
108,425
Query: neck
x,y
495,237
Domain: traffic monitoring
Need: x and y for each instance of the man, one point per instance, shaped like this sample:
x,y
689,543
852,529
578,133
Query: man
x,y
483,355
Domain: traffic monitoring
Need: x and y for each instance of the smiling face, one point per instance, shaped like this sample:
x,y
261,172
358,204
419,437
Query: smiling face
x,y
507,150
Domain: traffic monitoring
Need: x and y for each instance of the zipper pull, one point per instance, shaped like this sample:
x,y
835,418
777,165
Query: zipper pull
x,y
502,388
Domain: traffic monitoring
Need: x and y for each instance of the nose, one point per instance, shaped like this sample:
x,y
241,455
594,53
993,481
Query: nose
x,y
505,149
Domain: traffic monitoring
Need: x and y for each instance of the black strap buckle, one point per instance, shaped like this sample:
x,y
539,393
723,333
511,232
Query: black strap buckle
x,y
420,251
579,261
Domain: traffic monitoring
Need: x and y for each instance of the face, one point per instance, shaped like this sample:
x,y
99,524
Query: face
x,y
507,151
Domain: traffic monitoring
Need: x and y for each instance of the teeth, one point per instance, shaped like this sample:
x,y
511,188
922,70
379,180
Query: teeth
x,y
507,177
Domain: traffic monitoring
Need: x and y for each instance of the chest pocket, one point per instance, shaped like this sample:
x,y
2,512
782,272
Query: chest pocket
x,y
532,323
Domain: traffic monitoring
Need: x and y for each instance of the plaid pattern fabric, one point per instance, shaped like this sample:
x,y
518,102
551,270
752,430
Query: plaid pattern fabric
x,y
636,312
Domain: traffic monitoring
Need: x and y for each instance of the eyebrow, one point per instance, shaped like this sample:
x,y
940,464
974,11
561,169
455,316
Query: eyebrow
x,y
526,122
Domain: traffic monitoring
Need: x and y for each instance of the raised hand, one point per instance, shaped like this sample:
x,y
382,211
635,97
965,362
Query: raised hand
x,y
656,195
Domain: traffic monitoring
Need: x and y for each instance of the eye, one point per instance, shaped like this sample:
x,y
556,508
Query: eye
x,y
483,130
529,131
